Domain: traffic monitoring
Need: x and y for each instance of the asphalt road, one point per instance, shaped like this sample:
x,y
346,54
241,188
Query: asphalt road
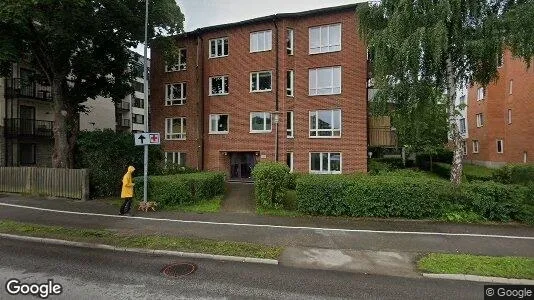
x,y
99,274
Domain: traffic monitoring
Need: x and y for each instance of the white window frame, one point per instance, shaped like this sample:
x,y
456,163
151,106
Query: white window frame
x,y
500,60
464,123
265,129
509,116
464,147
180,65
481,93
291,40
290,91
254,45
176,158
317,130
217,54
480,120
290,121
502,146
171,100
224,80
314,73
329,171
476,144
256,76
291,161
175,136
331,46
211,131
510,88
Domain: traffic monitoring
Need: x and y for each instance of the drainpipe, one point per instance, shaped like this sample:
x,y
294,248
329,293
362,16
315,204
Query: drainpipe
x,y
200,104
277,116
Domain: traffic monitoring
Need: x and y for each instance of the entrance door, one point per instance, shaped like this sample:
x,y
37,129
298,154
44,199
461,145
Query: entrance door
x,y
241,165
27,119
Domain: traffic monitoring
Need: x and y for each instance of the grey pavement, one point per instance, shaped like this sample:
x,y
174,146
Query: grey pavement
x,y
239,198
399,236
100,274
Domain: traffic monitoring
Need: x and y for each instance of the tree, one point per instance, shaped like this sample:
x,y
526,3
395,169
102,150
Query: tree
x,y
80,48
444,43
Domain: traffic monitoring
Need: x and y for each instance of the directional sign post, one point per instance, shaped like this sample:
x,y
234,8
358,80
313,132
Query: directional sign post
x,y
146,139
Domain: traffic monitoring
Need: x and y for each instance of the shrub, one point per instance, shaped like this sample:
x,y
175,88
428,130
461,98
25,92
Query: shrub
x,y
515,174
392,162
469,173
181,189
174,169
292,181
270,183
422,160
376,167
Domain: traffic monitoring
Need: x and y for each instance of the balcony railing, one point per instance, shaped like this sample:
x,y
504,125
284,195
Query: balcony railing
x,y
382,137
123,106
20,88
27,128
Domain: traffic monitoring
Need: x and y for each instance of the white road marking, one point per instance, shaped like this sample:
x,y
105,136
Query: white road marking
x,y
276,226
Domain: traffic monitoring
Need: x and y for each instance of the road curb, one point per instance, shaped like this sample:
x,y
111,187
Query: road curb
x,y
479,278
140,250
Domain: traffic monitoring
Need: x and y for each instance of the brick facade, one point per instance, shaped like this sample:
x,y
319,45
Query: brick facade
x,y
213,151
517,135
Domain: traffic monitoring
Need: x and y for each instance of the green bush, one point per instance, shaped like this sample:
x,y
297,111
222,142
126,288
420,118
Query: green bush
x,y
181,189
515,174
174,169
270,183
292,180
392,162
376,167
469,172
422,160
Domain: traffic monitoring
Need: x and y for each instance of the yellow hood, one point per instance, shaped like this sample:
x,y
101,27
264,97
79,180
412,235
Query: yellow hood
x,y
131,169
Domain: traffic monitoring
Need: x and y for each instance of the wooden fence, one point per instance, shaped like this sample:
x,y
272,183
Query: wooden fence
x,y
65,183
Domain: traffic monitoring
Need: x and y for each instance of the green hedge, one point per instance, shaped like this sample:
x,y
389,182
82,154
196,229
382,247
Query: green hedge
x,y
422,160
469,172
270,183
413,197
515,174
181,189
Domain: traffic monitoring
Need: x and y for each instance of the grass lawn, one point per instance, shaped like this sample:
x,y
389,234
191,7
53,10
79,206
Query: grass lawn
x,y
470,169
507,267
204,206
156,242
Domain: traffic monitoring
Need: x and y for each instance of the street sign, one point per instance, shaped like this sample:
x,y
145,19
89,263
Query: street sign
x,y
142,139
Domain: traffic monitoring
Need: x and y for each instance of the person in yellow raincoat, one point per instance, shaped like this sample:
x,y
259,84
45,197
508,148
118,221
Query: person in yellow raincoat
x,y
127,191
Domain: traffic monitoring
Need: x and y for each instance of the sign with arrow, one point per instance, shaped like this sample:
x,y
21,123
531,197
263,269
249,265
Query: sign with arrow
x,y
142,139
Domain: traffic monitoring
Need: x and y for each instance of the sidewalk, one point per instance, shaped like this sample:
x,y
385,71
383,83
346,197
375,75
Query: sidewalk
x,y
302,232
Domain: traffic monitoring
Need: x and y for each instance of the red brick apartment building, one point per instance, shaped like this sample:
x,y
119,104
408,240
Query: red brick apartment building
x,y
501,116
286,87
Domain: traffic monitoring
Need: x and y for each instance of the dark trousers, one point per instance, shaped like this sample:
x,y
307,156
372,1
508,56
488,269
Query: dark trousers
x,y
126,205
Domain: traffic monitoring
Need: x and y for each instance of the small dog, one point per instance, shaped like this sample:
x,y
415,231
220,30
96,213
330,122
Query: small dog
x,y
145,206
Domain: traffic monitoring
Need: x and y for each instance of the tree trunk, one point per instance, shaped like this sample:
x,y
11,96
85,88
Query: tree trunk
x,y
456,169
73,128
61,145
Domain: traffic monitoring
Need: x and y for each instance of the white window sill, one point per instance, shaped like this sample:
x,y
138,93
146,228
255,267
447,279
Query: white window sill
x,y
215,95
261,131
262,91
259,51
324,94
324,52
172,71
325,137
325,172
291,137
218,133
184,100
213,57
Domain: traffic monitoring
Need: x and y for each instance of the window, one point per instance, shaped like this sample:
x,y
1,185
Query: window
x,y
481,92
177,158
175,94
219,47
325,163
289,161
138,119
500,59
175,129
462,100
218,85
464,147
475,146
325,81
480,120
290,129
500,146
261,81
462,125
139,87
218,124
27,154
181,64
511,86
509,116
290,83
325,39
525,158
261,41
325,123
260,122
138,102
290,41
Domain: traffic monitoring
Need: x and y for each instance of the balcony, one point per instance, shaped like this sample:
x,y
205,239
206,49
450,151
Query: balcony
x,y
123,106
27,128
125,123
20,88
381,133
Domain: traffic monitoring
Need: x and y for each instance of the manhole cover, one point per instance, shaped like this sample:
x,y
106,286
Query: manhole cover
x,y
179,269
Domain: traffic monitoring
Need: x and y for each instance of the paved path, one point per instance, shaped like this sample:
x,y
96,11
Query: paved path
x,y
309,232
239,198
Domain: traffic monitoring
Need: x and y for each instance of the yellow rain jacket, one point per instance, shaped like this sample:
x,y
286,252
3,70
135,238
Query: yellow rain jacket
x,y
127,184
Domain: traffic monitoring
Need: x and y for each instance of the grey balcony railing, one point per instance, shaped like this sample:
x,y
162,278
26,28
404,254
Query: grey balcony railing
x,y
18,87
27,128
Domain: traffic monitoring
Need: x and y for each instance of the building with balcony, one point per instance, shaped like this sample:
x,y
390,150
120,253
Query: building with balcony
x,y
501,116
286,87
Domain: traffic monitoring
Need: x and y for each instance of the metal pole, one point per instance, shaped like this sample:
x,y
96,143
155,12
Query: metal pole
x,y
145,77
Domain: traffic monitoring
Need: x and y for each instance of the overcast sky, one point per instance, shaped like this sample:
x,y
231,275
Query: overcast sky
x,y
202,13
